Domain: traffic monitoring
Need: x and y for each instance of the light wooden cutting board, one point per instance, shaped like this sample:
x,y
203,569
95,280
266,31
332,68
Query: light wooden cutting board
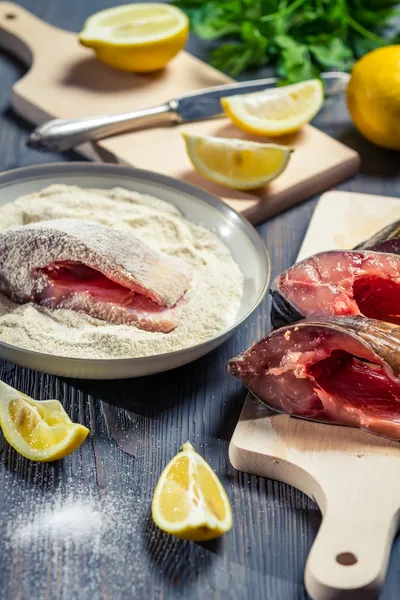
x,y
65,80
353,476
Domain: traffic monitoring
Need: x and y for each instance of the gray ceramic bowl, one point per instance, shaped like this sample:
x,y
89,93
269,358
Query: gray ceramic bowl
x,y
197,206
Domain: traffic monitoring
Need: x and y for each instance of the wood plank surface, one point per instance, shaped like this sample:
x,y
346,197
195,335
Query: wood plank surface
x,y
138,425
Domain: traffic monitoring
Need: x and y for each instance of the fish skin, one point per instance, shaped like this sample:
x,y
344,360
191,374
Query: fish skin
x,y
154,283
368,339
383,338
282,310
385,240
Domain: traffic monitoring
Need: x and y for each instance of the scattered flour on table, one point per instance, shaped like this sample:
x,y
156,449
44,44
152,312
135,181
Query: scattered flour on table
x,y
70,519
212,301
75,538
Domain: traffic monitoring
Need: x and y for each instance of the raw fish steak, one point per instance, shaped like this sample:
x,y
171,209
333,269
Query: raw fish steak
x,y
338,283
89,267
342,370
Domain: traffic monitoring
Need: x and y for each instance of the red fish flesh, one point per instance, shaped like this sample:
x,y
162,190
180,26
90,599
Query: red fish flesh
x,y
342,370
339,283
89,267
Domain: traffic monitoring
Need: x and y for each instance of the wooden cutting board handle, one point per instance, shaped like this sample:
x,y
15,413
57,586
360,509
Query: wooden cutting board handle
x,y
349,557
25,35
353,476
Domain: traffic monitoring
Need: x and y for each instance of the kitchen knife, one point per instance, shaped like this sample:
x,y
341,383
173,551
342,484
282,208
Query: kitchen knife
x,y
63,134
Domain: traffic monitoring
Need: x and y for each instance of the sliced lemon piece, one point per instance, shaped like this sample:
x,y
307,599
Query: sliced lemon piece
x,y
40,431
189,501
238,164
136,37
276,111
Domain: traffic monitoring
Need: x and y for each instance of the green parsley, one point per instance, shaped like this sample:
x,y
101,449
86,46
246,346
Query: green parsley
x,y
300,37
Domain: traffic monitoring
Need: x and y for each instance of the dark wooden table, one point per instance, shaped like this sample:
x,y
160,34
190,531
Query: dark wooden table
x,y
138,425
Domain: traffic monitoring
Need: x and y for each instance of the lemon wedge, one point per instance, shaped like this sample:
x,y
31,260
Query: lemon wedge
x,y
238,164
136,37
276,111
40,431
189,501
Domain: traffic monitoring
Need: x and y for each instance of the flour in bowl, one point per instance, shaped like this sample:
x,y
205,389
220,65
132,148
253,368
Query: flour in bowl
x,y
212,301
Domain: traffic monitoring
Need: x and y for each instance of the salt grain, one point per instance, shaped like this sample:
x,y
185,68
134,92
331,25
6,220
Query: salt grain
x,y
77,536
71,520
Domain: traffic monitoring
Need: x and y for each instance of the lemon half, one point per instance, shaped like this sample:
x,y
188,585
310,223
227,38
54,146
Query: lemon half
x,y
39,430
276,111
189,501
235,163
136,37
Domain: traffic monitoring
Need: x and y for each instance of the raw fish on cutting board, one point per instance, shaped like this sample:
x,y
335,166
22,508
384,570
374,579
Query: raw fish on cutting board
x,y
69,82
353,476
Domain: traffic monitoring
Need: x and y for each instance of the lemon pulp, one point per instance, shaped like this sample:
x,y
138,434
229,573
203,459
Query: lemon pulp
x,y
275,111
136,37
38,430
236,163
189,501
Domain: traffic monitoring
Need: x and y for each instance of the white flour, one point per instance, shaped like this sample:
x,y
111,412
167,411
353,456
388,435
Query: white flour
x,y
213,299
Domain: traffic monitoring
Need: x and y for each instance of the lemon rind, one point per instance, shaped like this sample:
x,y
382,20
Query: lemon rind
x,y
219,178
232,106
191,527
72,441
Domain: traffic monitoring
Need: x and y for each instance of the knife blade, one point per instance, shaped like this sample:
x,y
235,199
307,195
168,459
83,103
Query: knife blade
x,y
63,134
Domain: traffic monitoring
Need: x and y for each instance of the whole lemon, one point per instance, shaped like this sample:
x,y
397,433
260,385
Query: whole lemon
x,y
373,96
